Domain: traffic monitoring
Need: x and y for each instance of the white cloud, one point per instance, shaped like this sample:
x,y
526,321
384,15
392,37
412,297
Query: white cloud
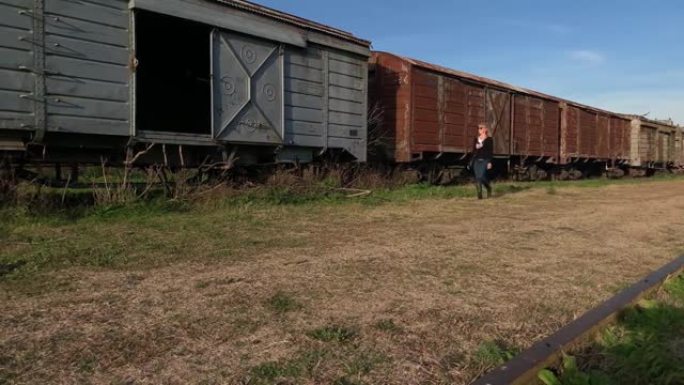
x,y
587,56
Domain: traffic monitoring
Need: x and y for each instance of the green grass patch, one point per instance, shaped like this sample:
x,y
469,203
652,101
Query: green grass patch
x,y
283,303
41,236
646,346
493,353
349,364
333,333
388,326
363,363
269,372
302,365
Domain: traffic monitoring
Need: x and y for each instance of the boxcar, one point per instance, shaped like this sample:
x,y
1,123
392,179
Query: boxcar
x,y
432,112
536,128
679,148
588,134
654,143
196,75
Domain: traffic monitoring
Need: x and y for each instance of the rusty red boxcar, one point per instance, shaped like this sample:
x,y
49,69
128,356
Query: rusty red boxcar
x,y
431,113
592,134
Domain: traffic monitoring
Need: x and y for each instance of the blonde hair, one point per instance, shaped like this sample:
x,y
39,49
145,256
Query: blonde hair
x,y
484,125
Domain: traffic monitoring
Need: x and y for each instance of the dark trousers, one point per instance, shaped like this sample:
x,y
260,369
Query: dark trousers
x,y
481,177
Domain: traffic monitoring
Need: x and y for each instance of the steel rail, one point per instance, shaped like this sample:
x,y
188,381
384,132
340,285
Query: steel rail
x,y
523,369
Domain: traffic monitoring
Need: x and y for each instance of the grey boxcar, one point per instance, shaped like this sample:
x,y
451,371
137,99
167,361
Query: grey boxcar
x,y
654,143
196,74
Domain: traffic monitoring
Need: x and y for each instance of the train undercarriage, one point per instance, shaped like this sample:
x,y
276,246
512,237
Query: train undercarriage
x,y
525,169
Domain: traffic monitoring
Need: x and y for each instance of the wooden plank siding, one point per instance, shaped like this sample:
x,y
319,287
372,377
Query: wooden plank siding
x,y
87,66
17,72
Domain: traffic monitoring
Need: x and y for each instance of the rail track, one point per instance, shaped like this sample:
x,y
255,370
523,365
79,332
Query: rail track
x,y
524,368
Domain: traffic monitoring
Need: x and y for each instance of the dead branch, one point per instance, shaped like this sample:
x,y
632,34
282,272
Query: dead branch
x,y
356,193
130,162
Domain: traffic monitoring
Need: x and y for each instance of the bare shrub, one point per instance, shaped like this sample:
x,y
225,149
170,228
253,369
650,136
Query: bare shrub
x,y
284,178
111,192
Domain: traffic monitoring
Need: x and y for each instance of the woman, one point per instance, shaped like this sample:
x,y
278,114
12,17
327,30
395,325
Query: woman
x,y
483,152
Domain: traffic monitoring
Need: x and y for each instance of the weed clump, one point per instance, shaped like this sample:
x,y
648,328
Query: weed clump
x,y
493,353
282,303
333,333
388,326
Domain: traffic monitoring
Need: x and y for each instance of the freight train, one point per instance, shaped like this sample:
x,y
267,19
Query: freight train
x,y
192,82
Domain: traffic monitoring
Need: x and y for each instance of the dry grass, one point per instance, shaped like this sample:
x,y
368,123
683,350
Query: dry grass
x,y
421,292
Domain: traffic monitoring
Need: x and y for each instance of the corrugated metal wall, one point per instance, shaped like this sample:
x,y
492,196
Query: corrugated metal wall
x,y
87,63
17,81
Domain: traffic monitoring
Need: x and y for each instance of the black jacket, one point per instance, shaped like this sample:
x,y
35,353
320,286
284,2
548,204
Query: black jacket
x,y
487,150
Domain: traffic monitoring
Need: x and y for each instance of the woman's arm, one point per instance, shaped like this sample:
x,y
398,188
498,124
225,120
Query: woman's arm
x,y
489,150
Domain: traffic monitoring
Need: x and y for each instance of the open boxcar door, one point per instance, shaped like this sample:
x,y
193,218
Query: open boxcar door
x,y
247,89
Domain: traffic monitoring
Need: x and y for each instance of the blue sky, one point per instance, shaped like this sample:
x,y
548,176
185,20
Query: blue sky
x,y
625,56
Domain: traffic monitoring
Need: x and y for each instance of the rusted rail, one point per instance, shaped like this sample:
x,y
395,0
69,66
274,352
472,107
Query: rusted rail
x,y
523,369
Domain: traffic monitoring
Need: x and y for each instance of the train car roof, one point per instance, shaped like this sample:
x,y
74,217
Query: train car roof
x,y
258,9
499,84
668,123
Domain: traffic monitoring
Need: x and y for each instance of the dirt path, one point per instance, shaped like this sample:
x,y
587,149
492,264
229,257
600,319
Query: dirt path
x,y
430,292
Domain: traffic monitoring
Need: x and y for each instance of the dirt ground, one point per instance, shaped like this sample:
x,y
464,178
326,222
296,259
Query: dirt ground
x,y
425,292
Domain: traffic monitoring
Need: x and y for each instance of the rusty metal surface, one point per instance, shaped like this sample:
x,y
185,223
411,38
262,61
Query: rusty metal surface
x,y
294,20
536,126
619,141
569,132
446,112
390,93
426,121
441,108
593,134
602,136
498,110
523,368
494,83
433,109
432,112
